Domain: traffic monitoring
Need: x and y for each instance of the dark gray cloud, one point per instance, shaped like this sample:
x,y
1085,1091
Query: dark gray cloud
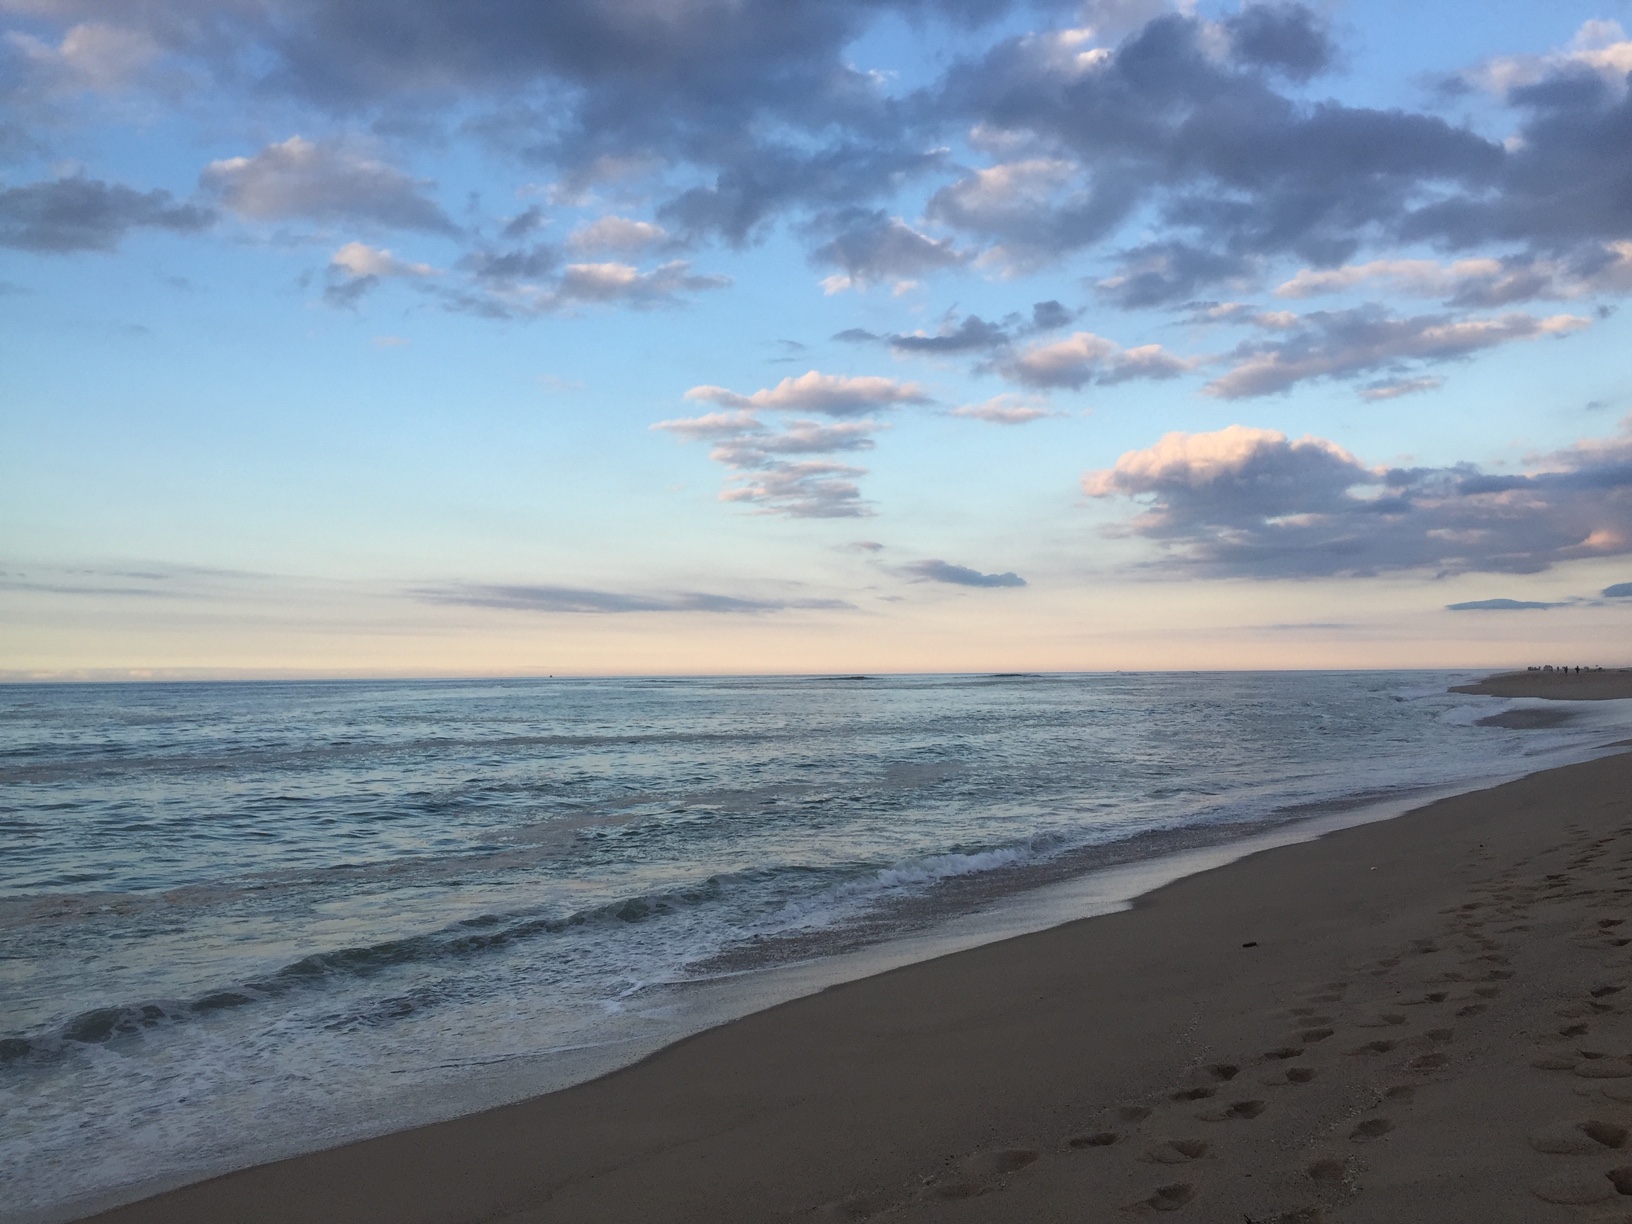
x,y
732,116
872,246
1347,343
1621,590
81,214
1245,501
1235,167
530,598
970,334
960,575
1499,605
1288,38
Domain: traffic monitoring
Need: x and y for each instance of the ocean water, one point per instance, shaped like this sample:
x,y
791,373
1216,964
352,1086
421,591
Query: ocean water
x,y
240,920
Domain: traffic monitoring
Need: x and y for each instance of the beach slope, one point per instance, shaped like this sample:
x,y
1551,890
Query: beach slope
x,y
1608,685
1421,1019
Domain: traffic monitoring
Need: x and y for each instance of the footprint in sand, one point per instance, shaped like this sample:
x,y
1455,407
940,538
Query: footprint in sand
x,y
1594,1065
1134,1113
975,1175
1167,1198
1177,1151
1193,1094
1577,1189
1370,1129
1097,1139
1235,1111
1574,1138
1299,1075
1309,1036
1283,1053
1327,1171
1374,1047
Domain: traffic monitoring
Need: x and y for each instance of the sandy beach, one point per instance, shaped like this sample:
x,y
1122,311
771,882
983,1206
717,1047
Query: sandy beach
x,y
1425,1018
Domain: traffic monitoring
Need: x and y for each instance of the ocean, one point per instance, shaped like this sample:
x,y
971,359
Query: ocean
x,y
240,920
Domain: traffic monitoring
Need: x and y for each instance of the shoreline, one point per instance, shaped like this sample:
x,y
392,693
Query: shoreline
x,y
545,1120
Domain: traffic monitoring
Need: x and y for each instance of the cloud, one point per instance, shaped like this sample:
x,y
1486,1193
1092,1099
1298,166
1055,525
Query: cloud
x,y
1242,501
528,598
1287,38
1393,388
531,280
1482,282
973,334
358,259
870,247
960,575
1002,410
1184,123
80,214
1599,47
356,268
1086,358
618,282
772,474
298,179
832,395
90,55
1499,605
1346,343
1621,590
614,233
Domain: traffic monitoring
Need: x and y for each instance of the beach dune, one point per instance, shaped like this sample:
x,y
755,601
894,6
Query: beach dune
x,y
1421,1019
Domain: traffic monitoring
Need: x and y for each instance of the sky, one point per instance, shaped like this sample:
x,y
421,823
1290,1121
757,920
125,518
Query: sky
x,y
468,337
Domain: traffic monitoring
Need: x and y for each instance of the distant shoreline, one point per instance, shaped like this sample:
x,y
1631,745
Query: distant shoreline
x,y
1610,684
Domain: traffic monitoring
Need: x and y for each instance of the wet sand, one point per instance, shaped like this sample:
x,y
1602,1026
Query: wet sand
x,y
1428,1018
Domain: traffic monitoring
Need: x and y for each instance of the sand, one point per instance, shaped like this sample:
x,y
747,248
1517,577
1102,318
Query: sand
x,y
1607,685
1426,1019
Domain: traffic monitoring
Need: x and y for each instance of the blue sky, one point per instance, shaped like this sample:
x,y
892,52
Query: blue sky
x,y
696,335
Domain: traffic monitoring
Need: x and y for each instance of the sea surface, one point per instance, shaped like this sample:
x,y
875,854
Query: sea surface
x,y
241,920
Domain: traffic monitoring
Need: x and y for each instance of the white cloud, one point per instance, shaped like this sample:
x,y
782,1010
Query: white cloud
x,y
91,55
621,282
1003,410
1598,46
301,179
358,259
614,233
773,473
1086,358
828,394
1478,282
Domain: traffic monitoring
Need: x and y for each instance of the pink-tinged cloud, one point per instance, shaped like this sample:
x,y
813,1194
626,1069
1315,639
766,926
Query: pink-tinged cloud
x,y
1084,358
1253,502
832,395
